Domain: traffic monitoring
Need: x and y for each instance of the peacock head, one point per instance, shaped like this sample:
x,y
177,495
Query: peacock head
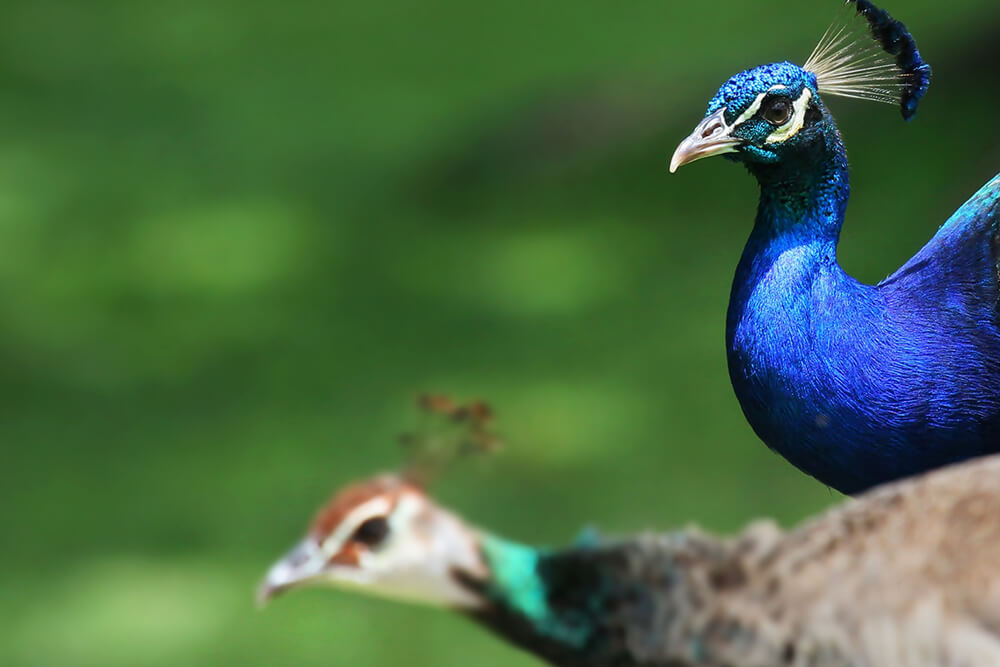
x,y
759,115
771,113
384,537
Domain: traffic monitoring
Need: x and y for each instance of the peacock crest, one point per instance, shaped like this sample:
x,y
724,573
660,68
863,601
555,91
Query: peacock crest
x,y
868,55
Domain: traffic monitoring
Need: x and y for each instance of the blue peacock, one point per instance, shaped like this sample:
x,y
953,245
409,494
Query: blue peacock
x,y
906,575
854,384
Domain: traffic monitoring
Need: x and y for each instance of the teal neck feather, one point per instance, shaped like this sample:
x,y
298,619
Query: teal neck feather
x,y
628,603
518,586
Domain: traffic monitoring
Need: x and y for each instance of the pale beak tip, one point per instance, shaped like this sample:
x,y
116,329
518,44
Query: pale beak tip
x,y
264,594
302,564
712,137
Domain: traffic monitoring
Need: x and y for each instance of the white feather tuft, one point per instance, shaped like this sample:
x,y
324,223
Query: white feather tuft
x,y
847,62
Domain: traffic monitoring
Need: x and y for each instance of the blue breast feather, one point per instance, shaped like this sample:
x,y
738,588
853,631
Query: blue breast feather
x,y
857,384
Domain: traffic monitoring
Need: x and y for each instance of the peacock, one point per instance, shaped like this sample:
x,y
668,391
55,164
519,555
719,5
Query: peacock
x,y
906,575
854,384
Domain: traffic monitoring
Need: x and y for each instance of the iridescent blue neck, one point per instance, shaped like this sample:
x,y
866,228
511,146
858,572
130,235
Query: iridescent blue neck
x,y
789,295
804,197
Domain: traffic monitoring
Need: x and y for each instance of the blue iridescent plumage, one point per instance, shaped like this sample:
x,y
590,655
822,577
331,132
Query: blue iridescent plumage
x,y
737,93
854,384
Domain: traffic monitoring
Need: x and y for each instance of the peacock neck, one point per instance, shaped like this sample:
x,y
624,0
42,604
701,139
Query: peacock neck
x,y
789,266
643,601
797,321
519,604
804,197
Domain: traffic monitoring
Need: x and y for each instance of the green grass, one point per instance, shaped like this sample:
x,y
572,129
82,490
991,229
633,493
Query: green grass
x,y
237,237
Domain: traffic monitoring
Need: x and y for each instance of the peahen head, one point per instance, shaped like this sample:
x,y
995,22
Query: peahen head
x,y
384,537
775,113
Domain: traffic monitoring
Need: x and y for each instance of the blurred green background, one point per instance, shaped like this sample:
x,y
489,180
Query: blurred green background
x,y
237,237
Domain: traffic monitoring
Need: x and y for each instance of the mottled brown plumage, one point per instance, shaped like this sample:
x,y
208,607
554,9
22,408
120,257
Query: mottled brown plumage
x,y
907,575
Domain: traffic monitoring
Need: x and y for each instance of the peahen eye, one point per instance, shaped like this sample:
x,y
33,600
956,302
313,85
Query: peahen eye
x,y
372,531
777,111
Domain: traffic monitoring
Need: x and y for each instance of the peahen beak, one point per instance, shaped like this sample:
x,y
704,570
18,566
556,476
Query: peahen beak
x,y
711,137
302,564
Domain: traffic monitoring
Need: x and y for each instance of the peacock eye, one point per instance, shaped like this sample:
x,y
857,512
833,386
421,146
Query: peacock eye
x,y
777,111
372,531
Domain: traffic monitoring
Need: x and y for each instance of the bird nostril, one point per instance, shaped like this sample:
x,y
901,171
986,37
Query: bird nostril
x,y
299,556
711,130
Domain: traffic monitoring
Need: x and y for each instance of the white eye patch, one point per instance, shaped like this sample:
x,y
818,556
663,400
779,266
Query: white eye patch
x,y
755,107
789,129
378,506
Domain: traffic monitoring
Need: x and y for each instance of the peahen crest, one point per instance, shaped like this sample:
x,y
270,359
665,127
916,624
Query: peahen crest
x,y
875,59
449,431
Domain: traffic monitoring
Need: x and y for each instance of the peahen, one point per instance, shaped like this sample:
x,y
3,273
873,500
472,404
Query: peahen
x,y
854,384
908,575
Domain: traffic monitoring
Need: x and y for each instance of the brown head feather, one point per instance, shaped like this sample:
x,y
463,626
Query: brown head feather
x,y
353,495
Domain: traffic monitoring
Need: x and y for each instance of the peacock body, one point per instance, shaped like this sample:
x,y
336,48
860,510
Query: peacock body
x,y
907,575
854,384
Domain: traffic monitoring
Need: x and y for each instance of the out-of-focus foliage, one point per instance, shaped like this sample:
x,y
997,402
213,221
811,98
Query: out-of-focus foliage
x,y
237,237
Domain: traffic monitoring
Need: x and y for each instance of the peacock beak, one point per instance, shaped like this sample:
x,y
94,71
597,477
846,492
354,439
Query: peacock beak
x,y
302,564
711,137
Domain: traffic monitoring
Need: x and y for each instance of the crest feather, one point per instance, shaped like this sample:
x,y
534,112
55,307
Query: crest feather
x,y
874,59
